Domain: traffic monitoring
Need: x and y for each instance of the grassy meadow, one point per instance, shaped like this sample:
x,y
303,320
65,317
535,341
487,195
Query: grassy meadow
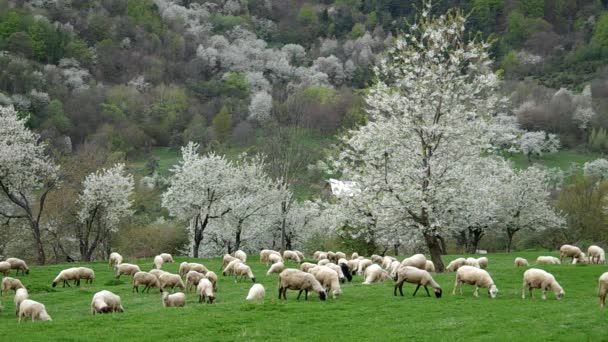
x,y
363,312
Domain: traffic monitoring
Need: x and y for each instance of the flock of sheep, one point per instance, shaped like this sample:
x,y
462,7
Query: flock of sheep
x,y
324,277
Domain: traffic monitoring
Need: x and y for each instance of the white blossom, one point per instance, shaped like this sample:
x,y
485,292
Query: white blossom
x,y
260,106
596,169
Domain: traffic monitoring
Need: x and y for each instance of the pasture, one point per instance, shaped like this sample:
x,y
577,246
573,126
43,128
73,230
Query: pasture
x,y
363,312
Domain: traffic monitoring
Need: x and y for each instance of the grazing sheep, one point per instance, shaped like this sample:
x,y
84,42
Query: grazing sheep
x,y
172,281
353,265
346,271
177,299
227,259
241,271
276,268
429,267
316,254
521,262
293,279
323,262
157,273
321,256
291,255
363,264
376,259
472,262
30,308
483,262
416,260
241,255
5,268
328,278
106,302
9,283
274,258
415,275
229,270
87,274
212,277
19,265
126,269
339,255
158,262
264,255
192,279
338,270
374,274
474,276
331,256
256,292
354,256
542,260
596,254
569,251
602,289
144,278
205,291
72,273
454,265
20,296
167,257
186,267
305,266
393,268
115,259
535,278
386,261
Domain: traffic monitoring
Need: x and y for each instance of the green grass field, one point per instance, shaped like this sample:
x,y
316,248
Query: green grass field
x,y
363,312
561,159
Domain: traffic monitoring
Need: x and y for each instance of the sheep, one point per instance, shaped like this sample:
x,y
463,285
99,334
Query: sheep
x,y
483,262
205,291
474,276
353,265
256,292
126,269
9,283
276,268
415,275
596,254
569,251
305,266
265,254
363,264
394,266
340,255
87,274
186,267
274,258
416,260
241,255
212,277
321,256
158,262
535,278
328,278
354,256
227,259
291,255
602,289
241,271
471,262
541,260
20,296
338,270
66,275
166,257
115,259
293,279
331,256
5,268
386,261
374,273
229,270
177,299
323,262
192,279
147,279
19,265
520,262
106,302
34,309
376,259
157,273
429,267
455,264
171,280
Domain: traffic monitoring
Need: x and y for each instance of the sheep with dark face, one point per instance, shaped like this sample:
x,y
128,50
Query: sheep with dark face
x,y
19,265
106,302
414,275
293,279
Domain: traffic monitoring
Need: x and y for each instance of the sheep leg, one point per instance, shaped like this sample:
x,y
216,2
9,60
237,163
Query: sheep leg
x,y
523,292
455,286
299,294
427,291
416,290
476,292
602,302
544,293
135,289
305,294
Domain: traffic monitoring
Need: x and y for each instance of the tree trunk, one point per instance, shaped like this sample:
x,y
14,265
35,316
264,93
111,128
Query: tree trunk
x,y
283,225
510,234
237,239
396,249
433,244
40,256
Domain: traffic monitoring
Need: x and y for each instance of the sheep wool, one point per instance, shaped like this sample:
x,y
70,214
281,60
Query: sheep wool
x,y
158,262
293,279
72,273
256,293
363,264
416,260
596,254
177,299
374,274
602,289
521,262
87,274
241,271
212,277
171,280
229,270
291,255
192,279
19,265
106,302
20,296
551,260
126,269
535,278
276,268
147,279
115,259
5,268
472,262
205,291
483,262
414,275
33,309
241,255
328,278
9,283
475,276
166,257
569,251
227,259
429,267
454,265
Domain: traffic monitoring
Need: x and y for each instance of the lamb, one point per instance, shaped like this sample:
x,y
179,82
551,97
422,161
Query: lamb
x,y
276,268
472,262
291,255
72,273
177,299
363,264
192,279
483,262
542,260
305,266
205,291
158,262
20,296
106,302
256,292
374,273
30,308
475,276
596,254
126,269
147,279
241,255
376,259
212,277
602,289
328,278
293,279
166,257
9,283
429,267
227,259
171,280
535,278
87,274
415,275
454,265
416,260
19,265
569,251
115,259
241,271
5,268
229,270
521,262
274,258
323,262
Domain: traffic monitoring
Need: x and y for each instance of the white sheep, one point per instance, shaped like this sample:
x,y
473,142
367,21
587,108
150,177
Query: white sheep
x,y
186,267
87,274
455,264
354,256
19,265
158,262
20,296
471,262
115,259
596,254
321,256
520,262
316,254
126,269
212,277
192,279
339,255
9,283
551,260
414,275
374,274
376,259
338,270
147,279
483,262
305,266
363,264
30,308
293,279
323,262
429,267
106,302
331,256
177,299
328,278
276,268
205,291
241,255
416,260
172,281
157,273
256,292
226,260
291,255
5,268
166,257
569,251
274,258
386,261
264,255
394,266
229,270
241,271
474,276
72,273
353,265
602,289
535,278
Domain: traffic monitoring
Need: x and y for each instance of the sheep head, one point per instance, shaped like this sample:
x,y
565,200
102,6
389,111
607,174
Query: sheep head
x,y
438,293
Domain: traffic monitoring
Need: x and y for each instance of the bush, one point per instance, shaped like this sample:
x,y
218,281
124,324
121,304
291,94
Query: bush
x,y
157,237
